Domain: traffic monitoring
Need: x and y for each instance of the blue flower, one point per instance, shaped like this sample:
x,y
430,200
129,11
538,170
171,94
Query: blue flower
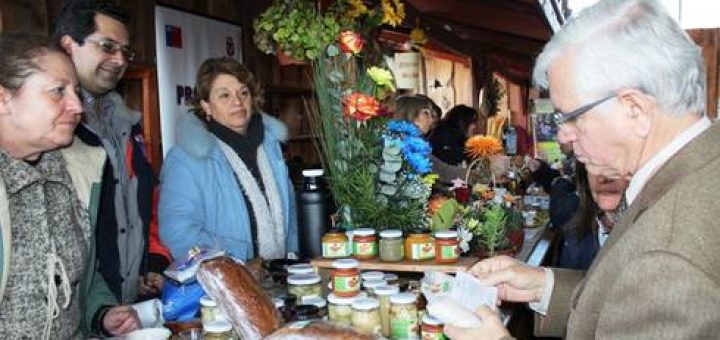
x,y
421,164
416,145
403,127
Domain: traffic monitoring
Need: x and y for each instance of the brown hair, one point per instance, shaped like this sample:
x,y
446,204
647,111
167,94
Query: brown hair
x,y
408,107
213,67
18,59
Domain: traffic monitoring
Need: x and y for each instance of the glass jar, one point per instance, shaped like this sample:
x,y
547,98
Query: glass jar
x,y
447,248
306,312
392,279
431,329
372,275
300,268
340,309
209,310
419,246
364,244
403,316
304,285
345,278
383,294
318,302
370,286
391,245
366,316
335,244
218,330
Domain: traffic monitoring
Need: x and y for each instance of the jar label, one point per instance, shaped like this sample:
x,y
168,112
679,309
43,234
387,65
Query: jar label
x,y
346,284
403,328
449,252
365,248
334,249
433,335
422,251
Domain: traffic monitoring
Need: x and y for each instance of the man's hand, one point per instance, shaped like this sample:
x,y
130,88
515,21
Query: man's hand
x,y
491,327
516,281
120,320
151,284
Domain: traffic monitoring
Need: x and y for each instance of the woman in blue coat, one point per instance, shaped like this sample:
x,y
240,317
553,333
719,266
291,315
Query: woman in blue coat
x,y
225,184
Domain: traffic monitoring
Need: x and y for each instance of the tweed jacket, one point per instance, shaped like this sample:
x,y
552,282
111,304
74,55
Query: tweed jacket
x,y
658,275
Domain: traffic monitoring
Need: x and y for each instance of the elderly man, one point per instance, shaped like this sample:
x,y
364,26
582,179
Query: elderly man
x,y
630,89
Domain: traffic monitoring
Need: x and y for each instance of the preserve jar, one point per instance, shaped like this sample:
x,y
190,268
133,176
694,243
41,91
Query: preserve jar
x,y
403,316
340,309
218,330
345,278
419,246
300,268
364,244
335,244
383,294
372,275
209,310
391,245
365,316
318,302
370,286
392,279
304,285
447,246
431,329
306,312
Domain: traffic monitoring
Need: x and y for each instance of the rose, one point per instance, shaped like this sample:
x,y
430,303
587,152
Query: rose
x,y
351,42
360,106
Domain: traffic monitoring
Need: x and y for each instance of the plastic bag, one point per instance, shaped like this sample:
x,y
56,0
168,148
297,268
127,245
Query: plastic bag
x,y
181,301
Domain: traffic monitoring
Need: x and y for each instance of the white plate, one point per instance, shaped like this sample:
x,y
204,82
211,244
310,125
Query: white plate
x,y
148,334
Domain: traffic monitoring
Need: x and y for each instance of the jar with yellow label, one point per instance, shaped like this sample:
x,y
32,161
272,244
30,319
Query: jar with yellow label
x,y
432,328
364,244
345,278
403,316
335,244
365,316
391,245
419,246
447,246
304,285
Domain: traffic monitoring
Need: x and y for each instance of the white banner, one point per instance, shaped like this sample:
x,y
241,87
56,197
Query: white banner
x,y
183,41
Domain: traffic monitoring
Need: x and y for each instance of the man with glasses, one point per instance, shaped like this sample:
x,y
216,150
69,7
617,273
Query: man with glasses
x,y
95,36
630,88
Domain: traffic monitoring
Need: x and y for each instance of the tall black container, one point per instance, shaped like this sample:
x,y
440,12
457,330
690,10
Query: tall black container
x,y
314,209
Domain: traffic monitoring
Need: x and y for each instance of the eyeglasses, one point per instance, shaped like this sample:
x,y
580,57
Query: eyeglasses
x,y
111,47
561,118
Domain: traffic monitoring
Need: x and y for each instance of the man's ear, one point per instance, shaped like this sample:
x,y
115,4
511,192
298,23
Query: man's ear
x,y
67,43
640,109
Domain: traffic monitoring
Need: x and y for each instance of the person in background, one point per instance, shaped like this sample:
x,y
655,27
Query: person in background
x,y
225,184
95,36
49,288
448,138
599,210
630,89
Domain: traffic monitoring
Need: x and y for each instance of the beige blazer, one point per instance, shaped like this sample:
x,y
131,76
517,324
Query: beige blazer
x,y
658,275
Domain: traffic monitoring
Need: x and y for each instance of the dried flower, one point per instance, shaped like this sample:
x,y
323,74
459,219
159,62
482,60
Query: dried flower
x,y
480,146
360,106
393,12
351,42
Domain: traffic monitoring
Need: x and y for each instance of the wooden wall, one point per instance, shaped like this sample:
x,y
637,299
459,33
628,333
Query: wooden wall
x,y
709,40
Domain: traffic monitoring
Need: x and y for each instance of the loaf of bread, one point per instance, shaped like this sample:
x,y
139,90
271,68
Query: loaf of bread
x,y
317,330
249,309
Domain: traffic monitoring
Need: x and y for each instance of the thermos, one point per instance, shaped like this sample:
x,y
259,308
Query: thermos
x,y
314,208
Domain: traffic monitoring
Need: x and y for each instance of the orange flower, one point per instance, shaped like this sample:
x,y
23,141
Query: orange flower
x,y
482,146
360,106
351,42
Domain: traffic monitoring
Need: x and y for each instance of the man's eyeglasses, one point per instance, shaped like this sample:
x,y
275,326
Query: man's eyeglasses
x,y
111,47
561,118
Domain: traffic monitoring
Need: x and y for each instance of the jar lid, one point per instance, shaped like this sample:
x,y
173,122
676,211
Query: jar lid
x,y
365,304
390,277
345,264
315,301
313,172
217,326
446,234
391,233
300,268
387,290
374,275
374,283
402,298
279,303
207,301
431,320
303,279
363,232
337,300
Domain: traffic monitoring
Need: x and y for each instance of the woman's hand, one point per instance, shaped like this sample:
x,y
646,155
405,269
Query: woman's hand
x,y
120,320
491,327
516,281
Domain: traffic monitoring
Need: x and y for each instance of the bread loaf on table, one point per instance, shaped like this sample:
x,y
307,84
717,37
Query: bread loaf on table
x,y
317,330
251,311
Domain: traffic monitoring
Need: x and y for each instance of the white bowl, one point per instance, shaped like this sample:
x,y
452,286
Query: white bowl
x,y
148,334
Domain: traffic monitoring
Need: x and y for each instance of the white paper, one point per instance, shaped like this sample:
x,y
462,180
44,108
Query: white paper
x,y
471,294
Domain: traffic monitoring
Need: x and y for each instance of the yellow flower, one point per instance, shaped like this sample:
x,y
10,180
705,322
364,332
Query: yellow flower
x,y
393,13
482,146
381,77
357,8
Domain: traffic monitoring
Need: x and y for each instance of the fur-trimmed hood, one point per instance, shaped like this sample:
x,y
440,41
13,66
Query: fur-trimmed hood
x,y
195,139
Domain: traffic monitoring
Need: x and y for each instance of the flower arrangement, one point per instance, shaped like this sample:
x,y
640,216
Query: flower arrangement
x,y
480,148
491,226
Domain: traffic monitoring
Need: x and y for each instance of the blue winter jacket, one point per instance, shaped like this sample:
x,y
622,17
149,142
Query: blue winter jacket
x,y
200,199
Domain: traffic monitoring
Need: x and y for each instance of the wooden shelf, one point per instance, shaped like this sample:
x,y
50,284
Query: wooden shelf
x,y
463,264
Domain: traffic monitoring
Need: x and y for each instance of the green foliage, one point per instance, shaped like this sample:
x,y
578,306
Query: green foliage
x,y
444,217
492,231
